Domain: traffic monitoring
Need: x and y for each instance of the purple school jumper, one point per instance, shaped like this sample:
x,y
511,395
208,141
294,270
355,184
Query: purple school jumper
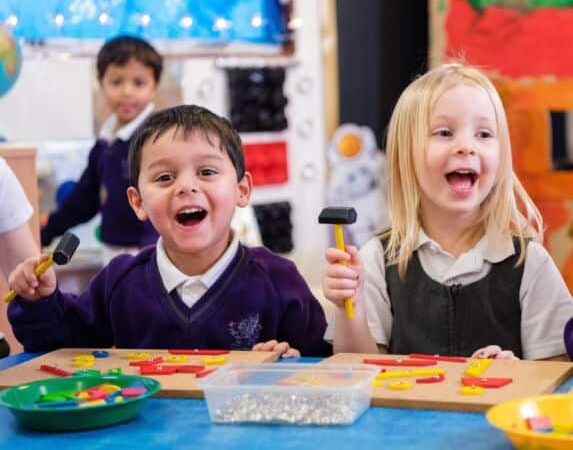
x,y
260,296
568,336
102,188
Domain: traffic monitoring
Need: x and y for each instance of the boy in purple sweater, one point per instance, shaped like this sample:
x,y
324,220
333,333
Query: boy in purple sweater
x,y
198,287
129,70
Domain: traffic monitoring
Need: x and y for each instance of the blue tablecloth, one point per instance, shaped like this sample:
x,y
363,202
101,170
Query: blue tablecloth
x,y
185,424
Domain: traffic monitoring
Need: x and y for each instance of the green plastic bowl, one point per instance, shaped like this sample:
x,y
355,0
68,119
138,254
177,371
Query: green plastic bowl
x,y
21,399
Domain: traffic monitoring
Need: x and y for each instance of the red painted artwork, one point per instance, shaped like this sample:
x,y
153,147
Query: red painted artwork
x,y
514,43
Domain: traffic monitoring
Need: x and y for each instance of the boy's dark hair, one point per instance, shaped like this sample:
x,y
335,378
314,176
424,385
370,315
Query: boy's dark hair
x,y
186,119
121,49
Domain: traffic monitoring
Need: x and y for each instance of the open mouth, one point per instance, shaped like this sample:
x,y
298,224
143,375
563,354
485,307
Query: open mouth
x,y
191,216
462,180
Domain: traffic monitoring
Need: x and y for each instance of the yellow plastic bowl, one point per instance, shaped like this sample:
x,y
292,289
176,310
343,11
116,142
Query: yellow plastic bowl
x,y
510,417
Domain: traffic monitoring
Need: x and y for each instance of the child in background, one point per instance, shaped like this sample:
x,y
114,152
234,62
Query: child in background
x,y
462,266
198,287
16,240
128,70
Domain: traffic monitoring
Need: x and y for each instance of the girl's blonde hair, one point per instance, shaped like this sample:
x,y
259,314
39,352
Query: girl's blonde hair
x,y
506,212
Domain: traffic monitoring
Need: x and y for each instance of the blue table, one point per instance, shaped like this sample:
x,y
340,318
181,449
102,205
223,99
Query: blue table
x,y
185,424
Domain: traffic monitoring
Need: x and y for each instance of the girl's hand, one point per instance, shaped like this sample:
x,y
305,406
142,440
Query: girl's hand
x,y
282,348
26,284
493,351
342,281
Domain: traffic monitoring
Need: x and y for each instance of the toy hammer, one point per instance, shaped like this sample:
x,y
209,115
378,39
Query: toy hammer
x,y
339,216
62,255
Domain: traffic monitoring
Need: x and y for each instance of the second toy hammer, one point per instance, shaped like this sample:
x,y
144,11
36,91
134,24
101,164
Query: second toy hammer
x,y
61,255
339,216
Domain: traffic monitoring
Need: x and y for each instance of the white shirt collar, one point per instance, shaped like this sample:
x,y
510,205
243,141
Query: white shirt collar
x,y
485,250
125,132
172,277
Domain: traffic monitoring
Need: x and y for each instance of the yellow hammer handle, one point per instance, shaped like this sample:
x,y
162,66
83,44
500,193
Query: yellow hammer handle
x,y
42,267
339,241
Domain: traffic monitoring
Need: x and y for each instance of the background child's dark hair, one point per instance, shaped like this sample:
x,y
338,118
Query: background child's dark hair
x,y
186,119
121,49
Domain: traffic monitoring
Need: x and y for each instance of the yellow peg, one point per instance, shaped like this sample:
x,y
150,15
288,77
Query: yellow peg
x,y
215,360
410,373
471,390
477,367
402,385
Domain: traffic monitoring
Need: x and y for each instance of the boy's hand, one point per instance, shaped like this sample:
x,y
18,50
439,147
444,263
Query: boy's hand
x,y
26,284
282,348
342,281
493,351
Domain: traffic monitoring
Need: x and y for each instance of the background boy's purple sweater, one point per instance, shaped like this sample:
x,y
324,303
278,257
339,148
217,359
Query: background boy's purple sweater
x,y
260,296
568,336
105,176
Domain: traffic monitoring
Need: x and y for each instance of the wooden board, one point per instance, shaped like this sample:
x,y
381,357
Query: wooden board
x,y
529,378
180,385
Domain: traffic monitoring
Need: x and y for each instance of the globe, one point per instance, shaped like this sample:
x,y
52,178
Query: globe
x,y
10,60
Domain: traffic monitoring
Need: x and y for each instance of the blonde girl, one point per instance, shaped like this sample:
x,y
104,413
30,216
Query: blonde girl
x,y
462,270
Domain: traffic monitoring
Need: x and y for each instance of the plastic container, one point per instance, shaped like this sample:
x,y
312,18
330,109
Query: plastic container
x,y
21,400
511,416
289,393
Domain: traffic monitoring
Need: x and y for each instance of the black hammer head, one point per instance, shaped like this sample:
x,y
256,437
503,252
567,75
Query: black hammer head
x,y
65,248
337,215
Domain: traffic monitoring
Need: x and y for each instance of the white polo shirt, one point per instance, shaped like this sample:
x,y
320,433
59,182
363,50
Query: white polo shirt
x,y
191,288
108,129
546,303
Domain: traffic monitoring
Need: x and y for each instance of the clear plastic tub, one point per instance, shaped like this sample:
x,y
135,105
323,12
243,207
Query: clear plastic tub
x,y
289,393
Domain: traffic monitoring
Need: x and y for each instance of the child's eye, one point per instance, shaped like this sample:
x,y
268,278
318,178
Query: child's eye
x,y
443,132
140,83
485,134
164,178
207,172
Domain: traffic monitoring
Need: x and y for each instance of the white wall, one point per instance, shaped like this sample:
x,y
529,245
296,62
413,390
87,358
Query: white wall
x,y
52,99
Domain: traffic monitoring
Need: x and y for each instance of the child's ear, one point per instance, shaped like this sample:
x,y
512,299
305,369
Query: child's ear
x,y
136,203
245,189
